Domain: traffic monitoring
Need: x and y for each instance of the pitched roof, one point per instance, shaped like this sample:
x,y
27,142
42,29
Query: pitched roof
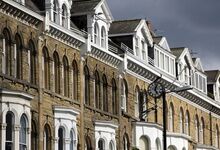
x,y
32,6
157,39
177,51
84,6
123,26
212,75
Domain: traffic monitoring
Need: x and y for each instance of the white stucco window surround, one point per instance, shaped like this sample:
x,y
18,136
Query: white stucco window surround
x,y
65,127
147,136
205,147
15,119
178,140
105,135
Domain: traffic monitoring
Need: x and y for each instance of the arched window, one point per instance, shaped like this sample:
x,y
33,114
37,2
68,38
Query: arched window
x,y
103,37
56,72
217,137
171,118
47,137
105,93
114,98
66,77
196,128
23,133
96,33
111,145
202,132
144,143
97,91
34,135
7,51
46,68
125,143
9,131
55,11
64,16
143,106
75,79
86,85
181,121
32,62
124,92
158,144
137,98
18,56
72,140
171,147
187,123
88,145
61,136
101,144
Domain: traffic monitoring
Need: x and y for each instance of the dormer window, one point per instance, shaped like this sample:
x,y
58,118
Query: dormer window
x,y
137,46
103,37
143,50
96,33
64,16
55,11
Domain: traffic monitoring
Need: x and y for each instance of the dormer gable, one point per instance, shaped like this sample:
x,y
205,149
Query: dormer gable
x,y
162,42
198,64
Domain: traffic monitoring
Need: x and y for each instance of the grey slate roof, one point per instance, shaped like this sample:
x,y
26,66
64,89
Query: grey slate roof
x,y
84,6
177,51
123,26
31,5
157,39
212,75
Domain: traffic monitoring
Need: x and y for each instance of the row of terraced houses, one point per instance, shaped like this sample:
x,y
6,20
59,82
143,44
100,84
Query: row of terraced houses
x,y
72,78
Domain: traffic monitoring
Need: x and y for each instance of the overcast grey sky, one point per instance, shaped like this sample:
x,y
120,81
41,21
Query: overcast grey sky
x,y
190,23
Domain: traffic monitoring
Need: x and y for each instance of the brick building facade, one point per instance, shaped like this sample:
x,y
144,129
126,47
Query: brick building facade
x,y
72,78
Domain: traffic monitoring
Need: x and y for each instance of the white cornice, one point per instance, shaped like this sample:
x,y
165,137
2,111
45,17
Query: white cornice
x,y
12,93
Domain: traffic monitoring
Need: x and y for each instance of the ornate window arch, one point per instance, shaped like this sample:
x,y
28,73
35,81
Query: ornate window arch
x,y
55,11
23,132
75,79
103,37
126,144
57,73
137,101
196,128
187,123
124,95
97,91
181,120
19,57
87,85
72,140
32,62
7,51
101,144
105,93
34,135
66,77
61,140
114,97
171,117
202,131
64,16
10,121
47,137
96,33
46,68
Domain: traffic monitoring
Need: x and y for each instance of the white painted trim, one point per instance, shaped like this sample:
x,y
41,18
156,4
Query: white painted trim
x,y
63,109
24,9
106,124
16,93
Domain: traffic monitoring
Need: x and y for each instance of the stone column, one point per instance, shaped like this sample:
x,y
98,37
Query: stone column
x,y
16,136
14,60
67,143
2,42
3,135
